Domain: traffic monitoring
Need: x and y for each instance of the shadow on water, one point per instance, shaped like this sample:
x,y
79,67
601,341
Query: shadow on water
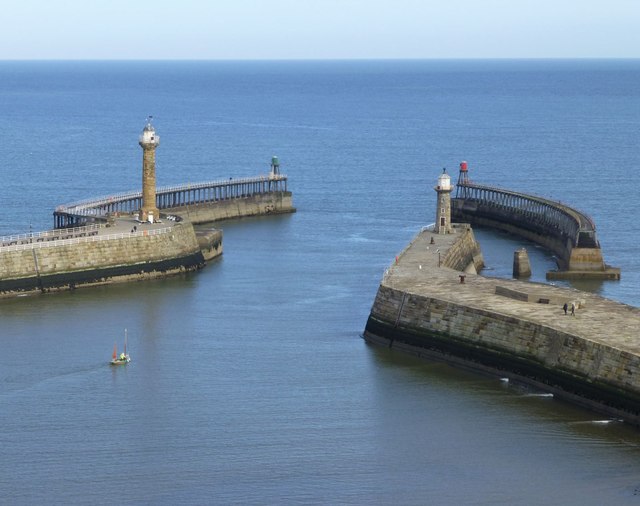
x,y
498,248
589,285
500,401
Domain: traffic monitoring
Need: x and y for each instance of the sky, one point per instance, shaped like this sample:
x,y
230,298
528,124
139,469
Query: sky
x,y
318,29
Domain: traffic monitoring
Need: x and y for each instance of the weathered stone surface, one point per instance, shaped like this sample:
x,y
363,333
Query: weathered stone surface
x,y
104,259
521,264
210,242
593,356
255,205
132,256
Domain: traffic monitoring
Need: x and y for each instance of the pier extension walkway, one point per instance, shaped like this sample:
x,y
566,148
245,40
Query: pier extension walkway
x,y
171,199
569,233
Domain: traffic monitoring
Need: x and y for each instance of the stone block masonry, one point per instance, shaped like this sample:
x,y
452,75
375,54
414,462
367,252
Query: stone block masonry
x,y
463,253
592,358
101,259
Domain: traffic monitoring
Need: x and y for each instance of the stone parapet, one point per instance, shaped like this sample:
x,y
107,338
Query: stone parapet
x,y
123,257
464,253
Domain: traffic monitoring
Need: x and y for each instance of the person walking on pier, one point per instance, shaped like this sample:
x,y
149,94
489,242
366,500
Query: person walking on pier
x,y
573,309
565,307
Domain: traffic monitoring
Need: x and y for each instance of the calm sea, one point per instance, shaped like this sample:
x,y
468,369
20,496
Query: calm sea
x,y
250,383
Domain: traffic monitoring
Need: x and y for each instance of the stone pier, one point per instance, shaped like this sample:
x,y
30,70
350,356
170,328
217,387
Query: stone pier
x,y
431,304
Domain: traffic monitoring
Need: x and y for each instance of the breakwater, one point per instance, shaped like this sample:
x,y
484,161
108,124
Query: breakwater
x,y
260,204
99,255
428,306
102,240
109,243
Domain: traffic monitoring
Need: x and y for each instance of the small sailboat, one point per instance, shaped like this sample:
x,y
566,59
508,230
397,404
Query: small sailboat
x,y
123,358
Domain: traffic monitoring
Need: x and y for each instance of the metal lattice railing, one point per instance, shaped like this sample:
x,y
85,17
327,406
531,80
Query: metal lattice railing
x,y
91,238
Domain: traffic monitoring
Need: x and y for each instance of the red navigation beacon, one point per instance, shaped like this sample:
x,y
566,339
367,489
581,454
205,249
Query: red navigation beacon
x,y
463,178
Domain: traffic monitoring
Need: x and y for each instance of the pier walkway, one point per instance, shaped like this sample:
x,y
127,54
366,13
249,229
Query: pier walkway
x,y
538,213
170,197
117,229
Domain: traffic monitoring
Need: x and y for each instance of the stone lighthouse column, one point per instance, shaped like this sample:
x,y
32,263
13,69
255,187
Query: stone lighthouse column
x,y
149,141
443,209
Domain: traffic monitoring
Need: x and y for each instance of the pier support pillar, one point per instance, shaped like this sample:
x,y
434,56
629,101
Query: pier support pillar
x,y
521,264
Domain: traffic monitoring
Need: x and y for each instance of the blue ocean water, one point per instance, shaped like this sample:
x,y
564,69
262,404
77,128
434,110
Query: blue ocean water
x,y
250,383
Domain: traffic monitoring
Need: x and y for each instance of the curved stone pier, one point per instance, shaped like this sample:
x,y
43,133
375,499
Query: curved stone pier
x,y
106,254
569,233
429,306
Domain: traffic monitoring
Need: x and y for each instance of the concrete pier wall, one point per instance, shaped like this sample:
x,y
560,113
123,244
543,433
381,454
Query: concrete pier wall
x,y
254,205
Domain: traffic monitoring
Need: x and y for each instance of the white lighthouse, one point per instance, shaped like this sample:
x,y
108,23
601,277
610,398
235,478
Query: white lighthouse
x,y
443,210
149,141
